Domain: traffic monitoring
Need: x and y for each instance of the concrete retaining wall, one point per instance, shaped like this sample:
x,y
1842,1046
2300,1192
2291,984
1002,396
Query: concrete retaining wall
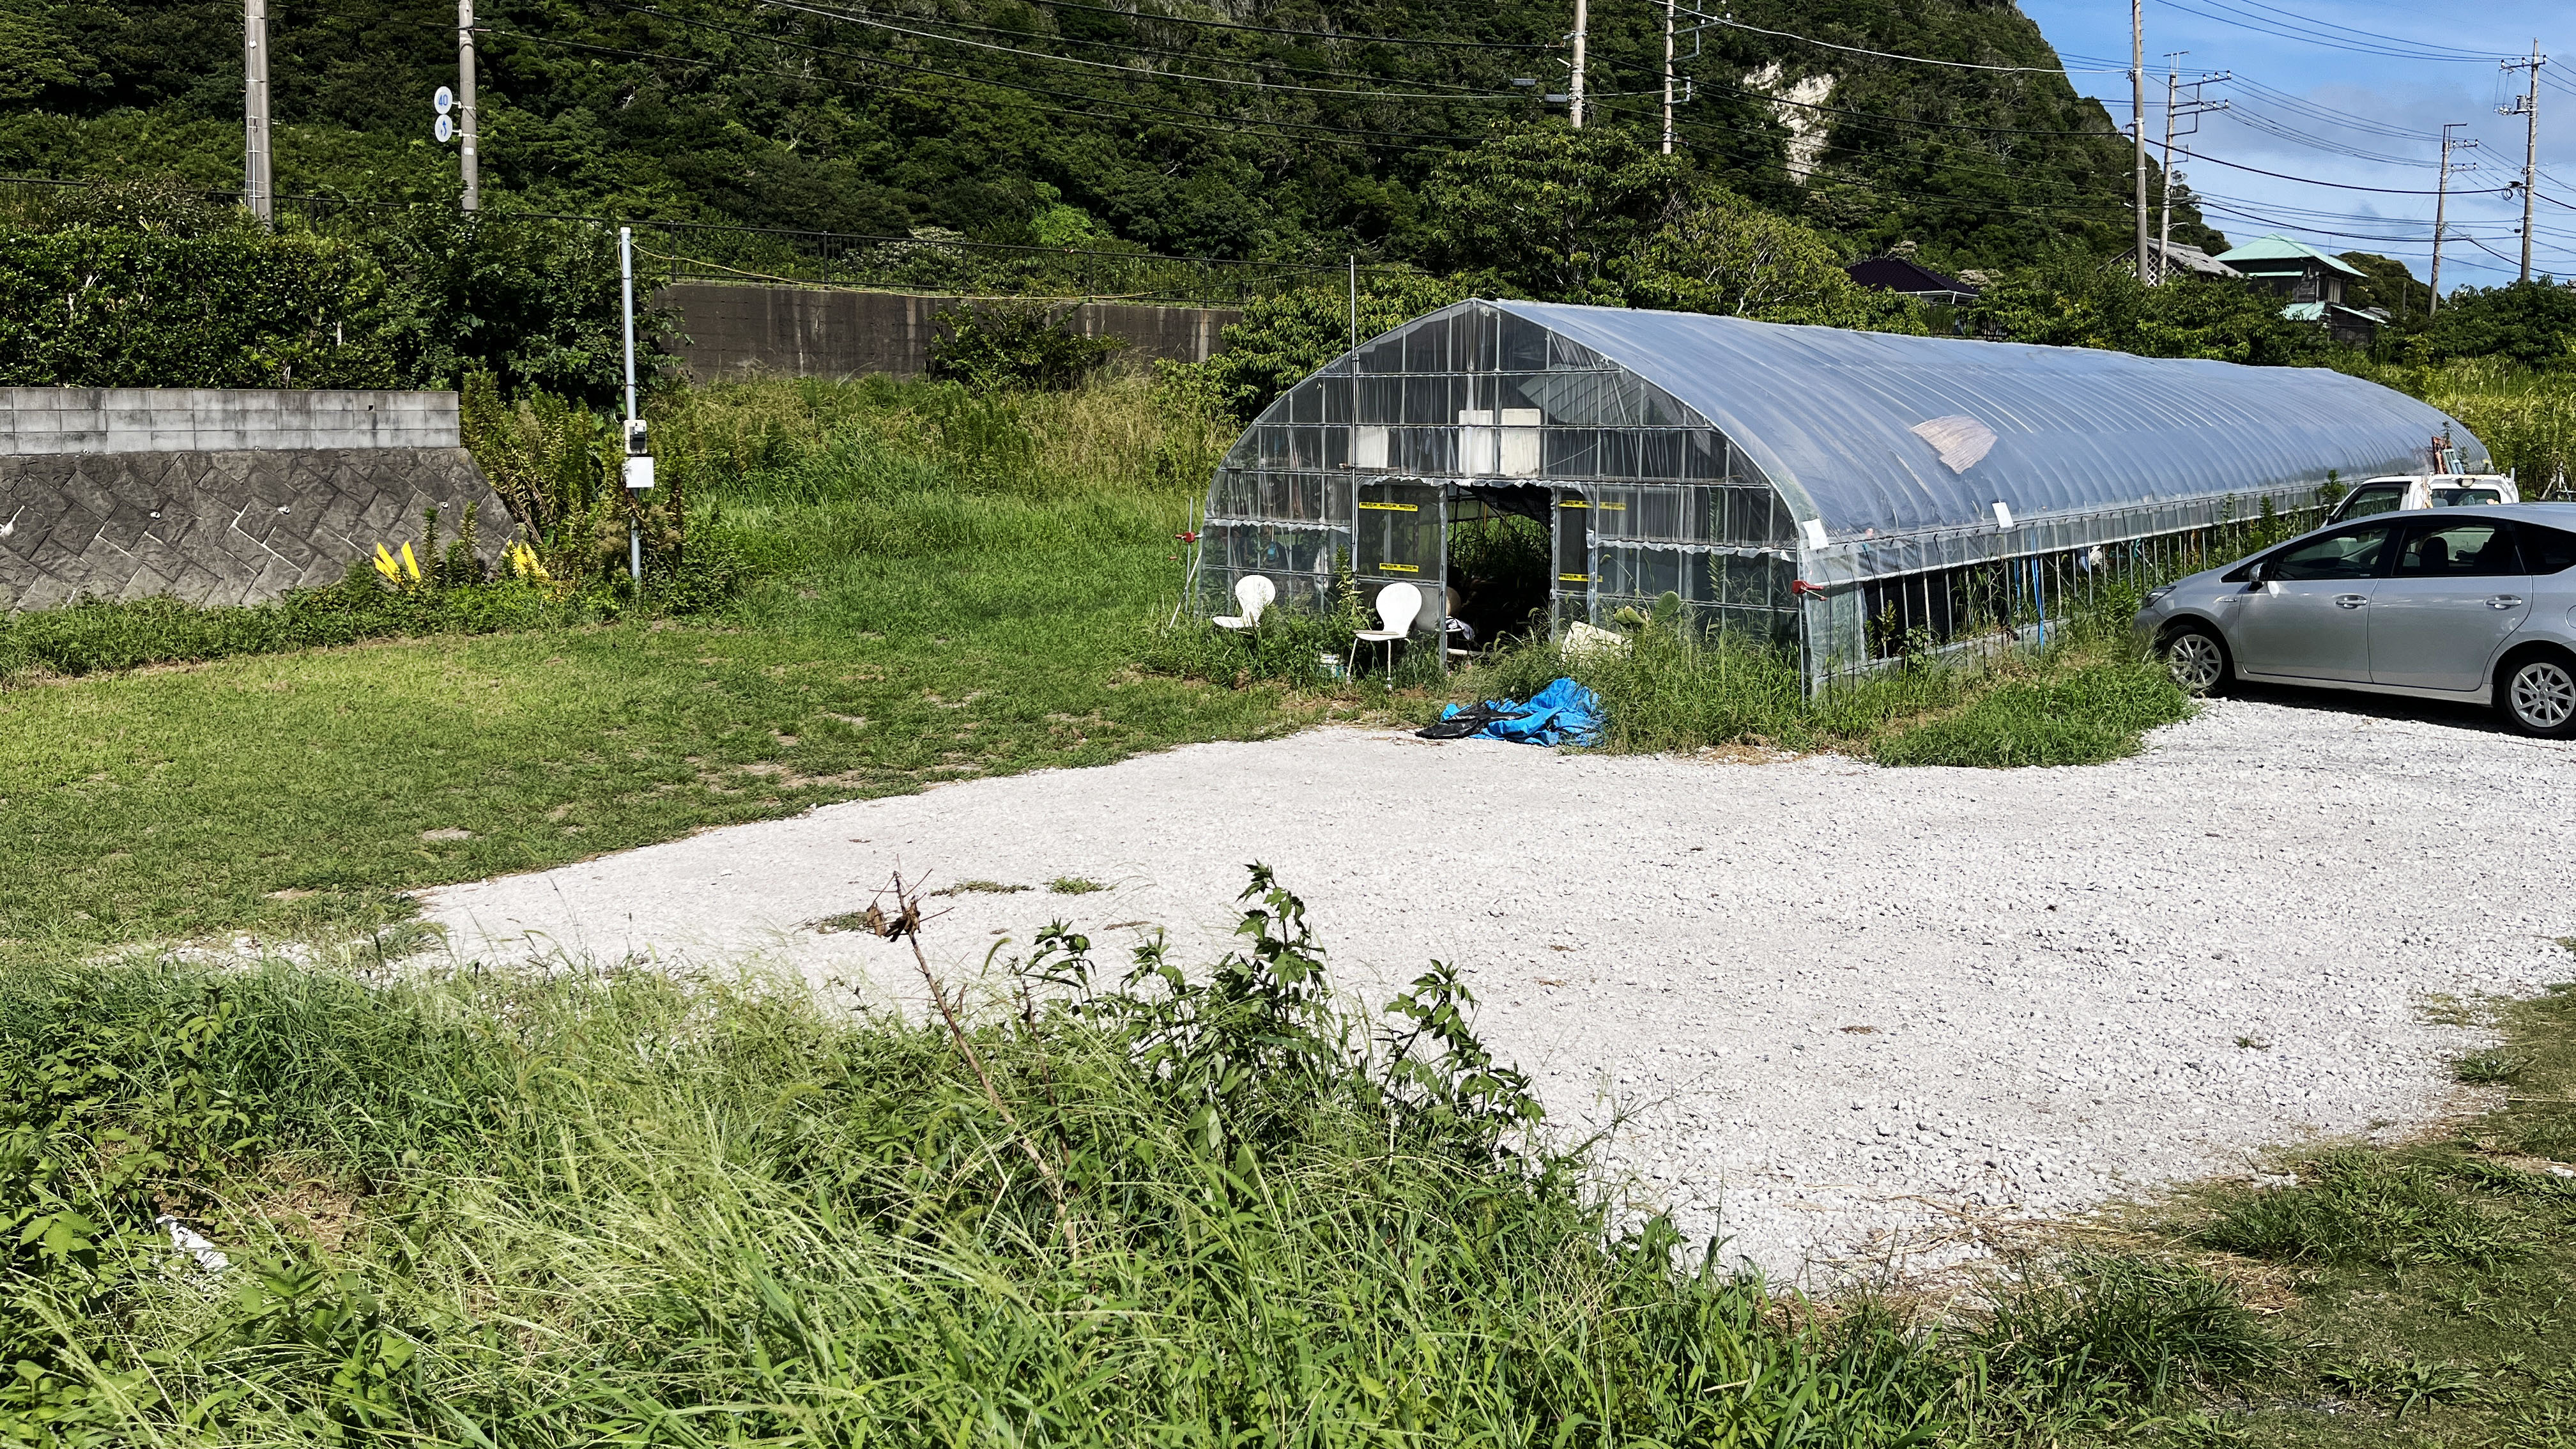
x,y
221,497
736,331
215,420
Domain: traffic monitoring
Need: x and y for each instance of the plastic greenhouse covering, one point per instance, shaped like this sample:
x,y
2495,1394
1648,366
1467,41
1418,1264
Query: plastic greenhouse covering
x,y
1851,495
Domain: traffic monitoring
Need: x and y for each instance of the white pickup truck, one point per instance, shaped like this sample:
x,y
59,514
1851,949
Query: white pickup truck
x,y
2434,490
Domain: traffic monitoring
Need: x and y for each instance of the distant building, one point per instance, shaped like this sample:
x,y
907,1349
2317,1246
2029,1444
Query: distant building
x,y
1902,274
2312,281
2176,259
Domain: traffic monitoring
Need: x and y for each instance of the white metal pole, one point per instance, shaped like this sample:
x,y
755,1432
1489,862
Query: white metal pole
x,y
626,276
469,165
2138,117
1574,93
258,193
1668,77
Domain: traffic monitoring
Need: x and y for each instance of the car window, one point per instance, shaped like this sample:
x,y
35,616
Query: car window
x,y
2547,550
2351,553
2465,497
2458,551
2377,498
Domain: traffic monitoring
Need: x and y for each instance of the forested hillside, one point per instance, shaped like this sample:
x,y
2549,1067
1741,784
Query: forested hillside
x,y
1296,129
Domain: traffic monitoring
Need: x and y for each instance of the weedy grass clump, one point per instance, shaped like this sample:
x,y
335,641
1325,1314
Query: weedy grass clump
x,y
1135,1205
2355,1206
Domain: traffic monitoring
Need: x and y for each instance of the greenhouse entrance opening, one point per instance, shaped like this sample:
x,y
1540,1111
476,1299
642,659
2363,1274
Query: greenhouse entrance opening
x,y
1502,554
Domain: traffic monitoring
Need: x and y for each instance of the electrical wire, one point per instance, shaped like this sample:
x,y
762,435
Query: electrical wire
x,y
657,11
1230,126
2330,41
850,18
2337,185
2339,29
1302,34
1913,59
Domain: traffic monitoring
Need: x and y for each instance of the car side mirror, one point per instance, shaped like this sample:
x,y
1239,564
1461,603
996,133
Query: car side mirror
x,y
2259,575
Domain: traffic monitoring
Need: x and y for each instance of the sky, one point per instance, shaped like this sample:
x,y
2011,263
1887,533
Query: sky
x,y
2353,92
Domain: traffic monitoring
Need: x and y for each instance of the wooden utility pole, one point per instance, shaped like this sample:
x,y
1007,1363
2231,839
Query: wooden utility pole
x,y
1574,92
1668,77
2527,106
468,165
258,191
2138,119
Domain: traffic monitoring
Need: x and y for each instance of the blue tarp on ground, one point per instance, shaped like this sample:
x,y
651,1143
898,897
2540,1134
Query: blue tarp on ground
x,y
1564,713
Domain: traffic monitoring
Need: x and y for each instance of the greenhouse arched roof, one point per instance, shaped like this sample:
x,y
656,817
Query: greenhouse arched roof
x,y
1880,433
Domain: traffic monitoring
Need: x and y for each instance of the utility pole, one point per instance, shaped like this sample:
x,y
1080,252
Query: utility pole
x,y
2527,106
465,116
258,191
2138,119
1574,92
2164,223
2176,107
2441,205
1668,77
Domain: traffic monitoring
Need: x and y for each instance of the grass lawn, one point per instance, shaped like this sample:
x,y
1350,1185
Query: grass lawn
x,y
297,791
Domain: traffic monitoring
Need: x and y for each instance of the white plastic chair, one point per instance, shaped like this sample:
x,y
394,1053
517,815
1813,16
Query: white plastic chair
x,y
1397,604
1252,594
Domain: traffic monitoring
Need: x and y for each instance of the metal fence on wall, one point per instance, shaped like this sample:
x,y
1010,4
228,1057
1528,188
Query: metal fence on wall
x,y
931,262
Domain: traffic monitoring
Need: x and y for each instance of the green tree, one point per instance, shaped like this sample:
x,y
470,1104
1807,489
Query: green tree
x,y
2533,323
1550,211
2071,298
1720,253
1281,340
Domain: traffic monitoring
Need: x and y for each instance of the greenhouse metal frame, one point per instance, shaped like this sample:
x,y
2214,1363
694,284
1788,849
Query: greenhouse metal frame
x,y
1854,497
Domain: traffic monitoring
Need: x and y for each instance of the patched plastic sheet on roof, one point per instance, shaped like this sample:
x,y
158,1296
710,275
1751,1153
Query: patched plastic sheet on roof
x,y
1830,415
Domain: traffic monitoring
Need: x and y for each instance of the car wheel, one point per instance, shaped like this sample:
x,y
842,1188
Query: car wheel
x,y
2538,695
2198,659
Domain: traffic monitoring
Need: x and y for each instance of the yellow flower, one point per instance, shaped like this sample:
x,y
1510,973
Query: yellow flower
x,y
410,565
385,566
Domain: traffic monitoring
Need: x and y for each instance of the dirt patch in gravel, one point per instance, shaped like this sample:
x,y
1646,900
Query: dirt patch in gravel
x,y
2076,983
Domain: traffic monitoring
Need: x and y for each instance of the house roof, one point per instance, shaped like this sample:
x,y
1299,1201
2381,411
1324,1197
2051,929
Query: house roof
x,y
1897,274
2278,248
2317,311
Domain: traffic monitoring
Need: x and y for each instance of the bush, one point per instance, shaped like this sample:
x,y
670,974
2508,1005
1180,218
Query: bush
x,y
1014,347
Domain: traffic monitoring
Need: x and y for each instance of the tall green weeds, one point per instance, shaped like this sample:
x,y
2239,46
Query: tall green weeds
x,y
1138,1206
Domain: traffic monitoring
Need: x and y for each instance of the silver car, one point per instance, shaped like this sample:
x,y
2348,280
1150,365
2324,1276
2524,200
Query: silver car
x,y
2475,606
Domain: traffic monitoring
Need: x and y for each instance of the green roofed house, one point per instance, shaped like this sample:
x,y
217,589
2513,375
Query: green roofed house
x,y
2314,283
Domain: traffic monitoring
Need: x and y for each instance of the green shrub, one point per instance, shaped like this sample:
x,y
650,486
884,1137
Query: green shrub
x,y
998,346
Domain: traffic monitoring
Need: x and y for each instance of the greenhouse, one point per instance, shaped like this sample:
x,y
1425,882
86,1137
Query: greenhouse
x,y
1851,496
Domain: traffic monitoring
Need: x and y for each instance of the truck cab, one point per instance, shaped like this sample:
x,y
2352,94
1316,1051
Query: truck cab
x,y
2432,490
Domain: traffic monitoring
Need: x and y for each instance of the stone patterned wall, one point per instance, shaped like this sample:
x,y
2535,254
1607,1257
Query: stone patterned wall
x,y
222,527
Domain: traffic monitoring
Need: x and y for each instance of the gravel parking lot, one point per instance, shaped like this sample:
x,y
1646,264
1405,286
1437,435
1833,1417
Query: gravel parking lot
x,y
1835,1012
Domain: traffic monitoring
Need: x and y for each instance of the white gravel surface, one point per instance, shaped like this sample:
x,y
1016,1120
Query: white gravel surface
x,y
1837,1011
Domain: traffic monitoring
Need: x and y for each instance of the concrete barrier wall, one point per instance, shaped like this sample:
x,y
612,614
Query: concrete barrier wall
x,y
222,497
736,331
170,420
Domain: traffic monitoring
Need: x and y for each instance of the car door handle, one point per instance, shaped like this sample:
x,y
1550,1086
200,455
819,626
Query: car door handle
x,y
2351,601
2505,601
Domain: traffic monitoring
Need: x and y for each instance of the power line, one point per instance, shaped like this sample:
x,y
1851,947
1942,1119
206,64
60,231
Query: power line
x,y
1913,59
657,11
2404,50
2337,185
1301,34
1230,126
2338,28
849,18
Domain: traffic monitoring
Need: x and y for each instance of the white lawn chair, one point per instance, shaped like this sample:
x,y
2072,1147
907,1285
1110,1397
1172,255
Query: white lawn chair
x,y
1252,594
1396,606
